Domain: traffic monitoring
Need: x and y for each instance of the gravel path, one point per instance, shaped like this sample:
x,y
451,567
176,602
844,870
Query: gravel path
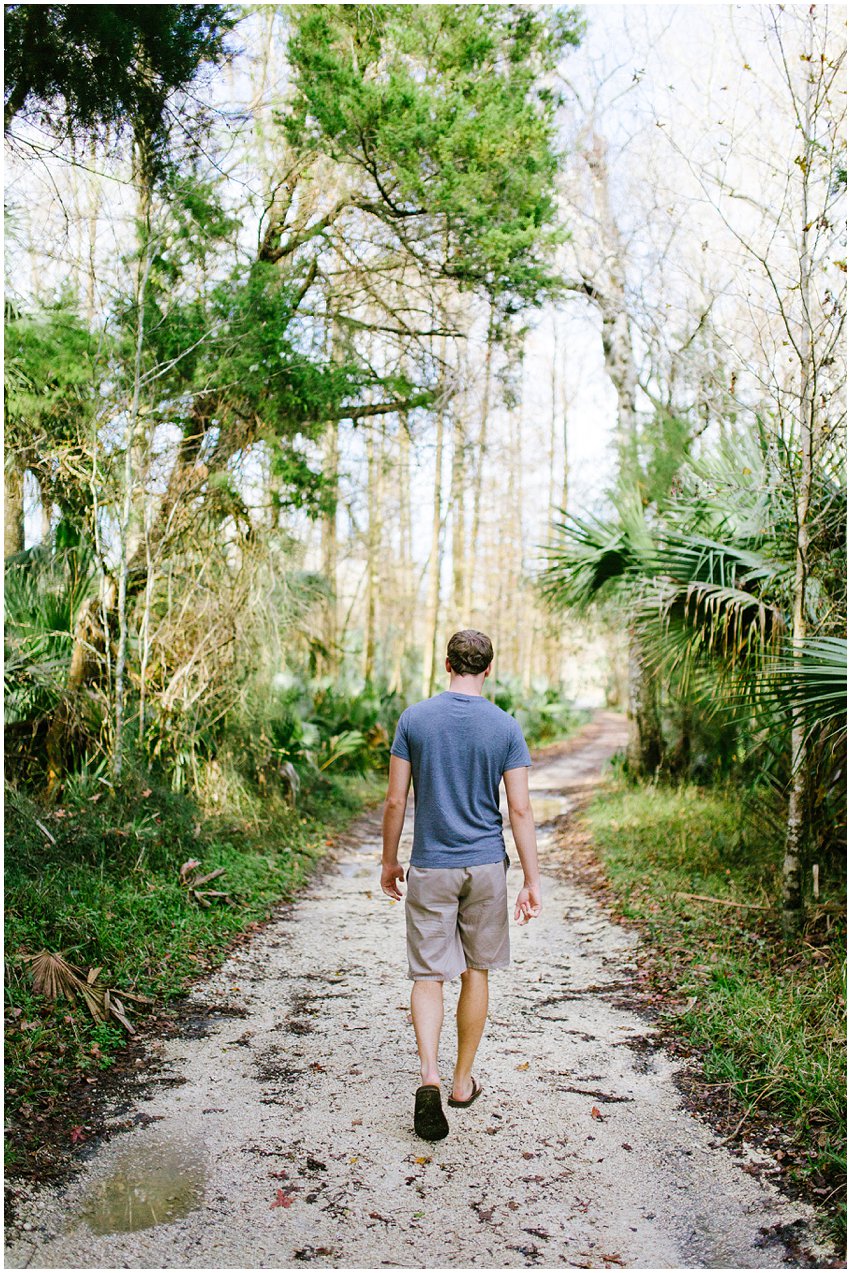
x,y
282,1137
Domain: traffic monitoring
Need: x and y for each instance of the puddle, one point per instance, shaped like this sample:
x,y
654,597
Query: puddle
x,y
547,808
154,1181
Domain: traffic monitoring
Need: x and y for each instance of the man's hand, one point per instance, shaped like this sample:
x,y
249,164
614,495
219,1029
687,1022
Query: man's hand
x,y
528,905
391,826
389,877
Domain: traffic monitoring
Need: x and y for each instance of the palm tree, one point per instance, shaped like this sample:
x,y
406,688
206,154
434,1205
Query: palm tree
x,y
707,584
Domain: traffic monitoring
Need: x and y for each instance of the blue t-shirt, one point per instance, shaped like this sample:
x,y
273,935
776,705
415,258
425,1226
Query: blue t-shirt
x,y
459,746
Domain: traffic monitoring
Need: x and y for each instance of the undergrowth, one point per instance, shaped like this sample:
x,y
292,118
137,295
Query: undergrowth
x,y
98,878
769,1018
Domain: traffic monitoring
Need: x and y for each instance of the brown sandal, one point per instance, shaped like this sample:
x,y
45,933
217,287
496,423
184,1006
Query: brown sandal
x,y
477,1091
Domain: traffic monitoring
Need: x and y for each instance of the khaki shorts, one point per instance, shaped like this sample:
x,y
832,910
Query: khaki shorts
x,y
456,918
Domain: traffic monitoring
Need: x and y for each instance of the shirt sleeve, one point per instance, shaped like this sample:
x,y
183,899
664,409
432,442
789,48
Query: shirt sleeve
x,y
518,752
400,742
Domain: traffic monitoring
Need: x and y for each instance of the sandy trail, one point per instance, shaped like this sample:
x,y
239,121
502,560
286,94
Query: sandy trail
x,y
306,1100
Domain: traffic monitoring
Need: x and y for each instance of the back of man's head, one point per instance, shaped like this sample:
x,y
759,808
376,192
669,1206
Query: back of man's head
x,y
469,652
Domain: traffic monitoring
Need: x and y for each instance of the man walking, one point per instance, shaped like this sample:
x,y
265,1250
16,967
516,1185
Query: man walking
x,y
457,746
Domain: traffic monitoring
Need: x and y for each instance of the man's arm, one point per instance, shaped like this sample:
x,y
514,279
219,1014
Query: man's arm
x,y
516,781
391,825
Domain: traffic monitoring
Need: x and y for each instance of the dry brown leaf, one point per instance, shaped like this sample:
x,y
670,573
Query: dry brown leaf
x,y
54,977
116,1008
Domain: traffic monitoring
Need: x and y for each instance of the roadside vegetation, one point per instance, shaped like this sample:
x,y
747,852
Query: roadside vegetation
x,y
101,883
698,870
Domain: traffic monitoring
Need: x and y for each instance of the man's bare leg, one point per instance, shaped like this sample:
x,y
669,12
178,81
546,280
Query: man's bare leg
x,y
471,1017
427,1012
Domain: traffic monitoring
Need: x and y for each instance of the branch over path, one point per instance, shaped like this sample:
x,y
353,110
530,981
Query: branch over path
x,y
279,1131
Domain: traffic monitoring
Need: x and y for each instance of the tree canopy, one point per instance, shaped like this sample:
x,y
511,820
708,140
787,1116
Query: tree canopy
x,y
85,66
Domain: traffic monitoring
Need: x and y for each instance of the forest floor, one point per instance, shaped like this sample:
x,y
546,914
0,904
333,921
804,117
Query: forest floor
x,y
274,1129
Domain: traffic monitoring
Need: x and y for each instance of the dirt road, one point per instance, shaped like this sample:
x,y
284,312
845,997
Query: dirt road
x,y
278,1132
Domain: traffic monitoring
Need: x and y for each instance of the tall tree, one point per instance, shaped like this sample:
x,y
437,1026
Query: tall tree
x,y
430,656
458,506
786,252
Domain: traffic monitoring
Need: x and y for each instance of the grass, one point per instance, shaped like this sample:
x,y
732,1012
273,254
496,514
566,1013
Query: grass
x,y
106,891
768,1018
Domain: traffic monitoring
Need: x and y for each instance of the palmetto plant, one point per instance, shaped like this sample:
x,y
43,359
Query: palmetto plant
x,y
44,593
706,580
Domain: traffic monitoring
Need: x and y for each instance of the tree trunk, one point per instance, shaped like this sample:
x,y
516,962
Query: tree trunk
x,y
610,297
797,811
373,547
46,513
406,591
481,449
143,177
644,747
557,492
13,509
460,554
433,602
609,294
330,554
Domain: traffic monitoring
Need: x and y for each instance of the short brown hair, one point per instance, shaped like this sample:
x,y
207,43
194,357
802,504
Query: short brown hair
x,y
469,652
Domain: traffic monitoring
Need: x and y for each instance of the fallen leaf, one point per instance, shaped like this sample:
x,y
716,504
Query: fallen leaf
x,y
282,1200
523,1066
595,1113
422,1160
354,1159
626,1146
146,792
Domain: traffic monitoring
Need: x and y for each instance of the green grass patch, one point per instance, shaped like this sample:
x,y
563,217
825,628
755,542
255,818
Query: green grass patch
x,y
769,1018
103,887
